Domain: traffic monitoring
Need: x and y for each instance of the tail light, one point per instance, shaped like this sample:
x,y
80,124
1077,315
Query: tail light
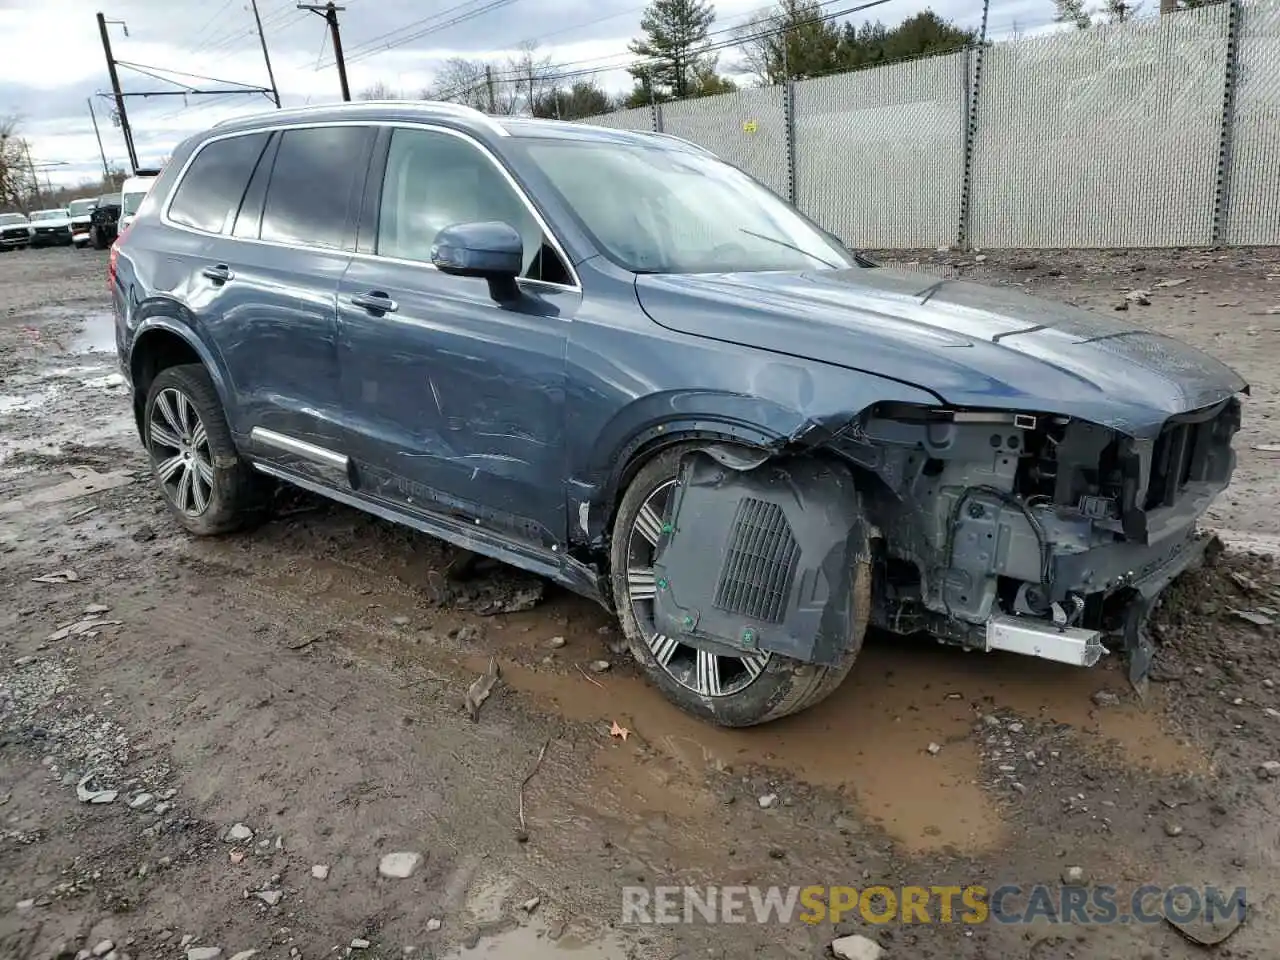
x,y
111,260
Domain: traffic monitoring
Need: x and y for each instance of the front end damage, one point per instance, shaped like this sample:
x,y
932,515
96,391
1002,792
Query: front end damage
x,y
1037,534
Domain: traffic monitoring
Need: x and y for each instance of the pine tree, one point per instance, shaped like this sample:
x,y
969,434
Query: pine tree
x,y
675,40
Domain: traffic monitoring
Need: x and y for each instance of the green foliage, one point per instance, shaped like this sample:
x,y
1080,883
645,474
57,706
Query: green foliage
x,y
676,41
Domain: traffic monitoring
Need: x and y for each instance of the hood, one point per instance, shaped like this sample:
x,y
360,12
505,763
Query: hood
x,y
970,344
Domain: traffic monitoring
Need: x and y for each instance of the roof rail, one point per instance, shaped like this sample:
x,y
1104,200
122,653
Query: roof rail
x,y
697,147
431,106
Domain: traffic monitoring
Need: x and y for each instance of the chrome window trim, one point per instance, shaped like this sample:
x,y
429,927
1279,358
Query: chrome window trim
x,y
576,286
425,106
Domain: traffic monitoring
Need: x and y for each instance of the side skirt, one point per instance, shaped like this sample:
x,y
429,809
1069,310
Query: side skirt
x,y
553,565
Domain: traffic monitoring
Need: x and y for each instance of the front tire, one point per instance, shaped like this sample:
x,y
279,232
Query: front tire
x,y
730,691
205,483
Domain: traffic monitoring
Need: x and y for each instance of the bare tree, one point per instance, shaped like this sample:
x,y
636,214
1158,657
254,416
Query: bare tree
x,y
17,184
378,91
471,82
531,75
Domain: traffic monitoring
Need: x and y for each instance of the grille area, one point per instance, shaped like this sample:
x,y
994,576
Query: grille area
x,y
760,563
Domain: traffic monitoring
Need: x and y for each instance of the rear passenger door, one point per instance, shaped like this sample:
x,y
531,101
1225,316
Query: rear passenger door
x,y
275,278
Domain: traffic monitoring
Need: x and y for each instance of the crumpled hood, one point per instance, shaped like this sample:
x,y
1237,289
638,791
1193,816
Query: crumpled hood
x,y
970,344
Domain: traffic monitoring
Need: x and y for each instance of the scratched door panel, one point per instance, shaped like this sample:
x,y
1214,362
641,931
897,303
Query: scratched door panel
x,y
456,403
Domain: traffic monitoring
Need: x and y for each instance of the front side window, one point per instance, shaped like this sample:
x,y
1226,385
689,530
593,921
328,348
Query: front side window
x,y
655,209
213,186
313,185
434,180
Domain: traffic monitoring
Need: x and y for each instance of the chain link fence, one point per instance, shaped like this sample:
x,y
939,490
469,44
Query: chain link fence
x,y
1160,132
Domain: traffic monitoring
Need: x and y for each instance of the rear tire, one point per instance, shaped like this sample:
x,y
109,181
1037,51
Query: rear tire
x,y
205,483
729,691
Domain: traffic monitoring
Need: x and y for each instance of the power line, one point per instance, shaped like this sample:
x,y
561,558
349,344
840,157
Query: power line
x,y
364,47
147,68
435,28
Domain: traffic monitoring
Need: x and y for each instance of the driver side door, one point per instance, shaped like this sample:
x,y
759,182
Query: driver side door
x,y
457,401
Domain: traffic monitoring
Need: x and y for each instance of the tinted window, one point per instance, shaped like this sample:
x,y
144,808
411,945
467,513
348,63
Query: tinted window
x,y
210,192
313,184
434,180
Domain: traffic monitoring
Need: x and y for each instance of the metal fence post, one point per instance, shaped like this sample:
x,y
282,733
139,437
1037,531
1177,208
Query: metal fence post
x,y
1222,178
971,132
789,118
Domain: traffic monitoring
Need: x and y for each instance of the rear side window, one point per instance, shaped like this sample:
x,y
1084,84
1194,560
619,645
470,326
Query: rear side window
x,y
315,181
213,186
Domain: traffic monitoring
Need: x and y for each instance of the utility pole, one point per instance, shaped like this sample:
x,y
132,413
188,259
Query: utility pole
x,y
119,94
31,167
275,91
488,79
106,171
330,14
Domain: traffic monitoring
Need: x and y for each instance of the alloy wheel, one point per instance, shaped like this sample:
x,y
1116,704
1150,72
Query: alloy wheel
x,y
180,451
705,673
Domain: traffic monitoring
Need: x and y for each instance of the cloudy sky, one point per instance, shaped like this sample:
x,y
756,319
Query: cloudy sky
x,y
52,64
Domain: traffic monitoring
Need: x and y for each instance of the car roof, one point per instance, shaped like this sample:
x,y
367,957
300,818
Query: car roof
x,y
453,115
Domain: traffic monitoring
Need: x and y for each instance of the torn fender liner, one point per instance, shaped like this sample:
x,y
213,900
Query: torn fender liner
x,y
761,559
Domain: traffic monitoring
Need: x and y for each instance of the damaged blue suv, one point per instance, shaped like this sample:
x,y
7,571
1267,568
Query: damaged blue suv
x,y
613,360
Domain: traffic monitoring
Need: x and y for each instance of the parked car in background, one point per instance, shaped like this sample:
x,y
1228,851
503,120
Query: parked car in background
x,y
51,228
612,359
104,221
81,212
132,193
15,231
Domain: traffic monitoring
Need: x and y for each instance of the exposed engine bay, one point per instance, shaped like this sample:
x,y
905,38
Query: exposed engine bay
x,y
1038,534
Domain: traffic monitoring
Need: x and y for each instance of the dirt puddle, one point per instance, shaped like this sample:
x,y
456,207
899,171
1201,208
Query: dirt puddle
x,y
534,942
870,739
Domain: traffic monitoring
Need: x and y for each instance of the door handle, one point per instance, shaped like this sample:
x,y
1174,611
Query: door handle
x,y
375,302
219,273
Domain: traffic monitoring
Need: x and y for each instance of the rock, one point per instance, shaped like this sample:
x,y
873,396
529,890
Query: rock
x,y
244,955
239,834
398,866
1269,770
1172,830
1073,875
1257,619
97,608
320,871
142,535
934,749
1268,684
186,939
84,955
1170,283
140,801
599,666
270,897
531,904
1015,728
103,947
1140,297
856,947
1105,698
555,643
359,943
1271,712
433,925
204,953
767,801
400,621
162,808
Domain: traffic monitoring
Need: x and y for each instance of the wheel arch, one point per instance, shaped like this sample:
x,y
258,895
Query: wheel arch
x,y
161,342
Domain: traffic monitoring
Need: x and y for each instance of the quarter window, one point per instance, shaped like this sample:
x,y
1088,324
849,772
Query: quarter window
x,y
210,192
314,183
434,180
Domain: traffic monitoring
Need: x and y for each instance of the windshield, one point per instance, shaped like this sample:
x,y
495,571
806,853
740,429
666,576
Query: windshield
x,y
131,202
79,208
663,210
8,219
49,215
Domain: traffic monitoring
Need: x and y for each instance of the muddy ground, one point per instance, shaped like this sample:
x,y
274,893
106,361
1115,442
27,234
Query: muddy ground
x,y
304,682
